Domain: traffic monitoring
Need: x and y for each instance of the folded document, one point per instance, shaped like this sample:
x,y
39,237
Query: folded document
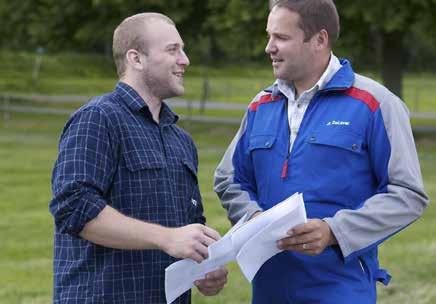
x,y
250,243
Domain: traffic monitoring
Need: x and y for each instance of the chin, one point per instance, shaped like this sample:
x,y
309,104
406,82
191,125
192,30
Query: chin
x,y
277,74
179,91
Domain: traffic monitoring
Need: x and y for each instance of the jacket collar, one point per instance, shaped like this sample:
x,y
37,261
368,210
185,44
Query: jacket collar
x,y
343,79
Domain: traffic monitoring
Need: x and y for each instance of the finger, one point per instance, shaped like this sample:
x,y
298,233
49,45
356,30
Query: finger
x,y
211,284
296,248
207,241
294,240
208,284
218,274
208,291
296,244
211,233
255,214
283,245
201,250
196,257
304,228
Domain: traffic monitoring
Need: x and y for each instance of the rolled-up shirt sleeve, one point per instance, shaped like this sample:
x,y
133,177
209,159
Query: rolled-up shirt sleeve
x,y
83,171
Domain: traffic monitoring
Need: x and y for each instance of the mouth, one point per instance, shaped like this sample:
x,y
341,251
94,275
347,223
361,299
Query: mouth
x,y
276,61
179,74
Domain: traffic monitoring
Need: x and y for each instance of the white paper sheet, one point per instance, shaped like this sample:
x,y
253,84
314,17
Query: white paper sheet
x,y
263,245
250,243
180,276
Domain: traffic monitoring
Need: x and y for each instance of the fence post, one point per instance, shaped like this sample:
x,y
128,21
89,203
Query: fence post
x,y
189,116
37,65
416,105
6,113
205,94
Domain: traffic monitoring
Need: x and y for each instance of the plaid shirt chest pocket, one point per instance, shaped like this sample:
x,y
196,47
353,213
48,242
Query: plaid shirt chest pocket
x,y
188,193
147,186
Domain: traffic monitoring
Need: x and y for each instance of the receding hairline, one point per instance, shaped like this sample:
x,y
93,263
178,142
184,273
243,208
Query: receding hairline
x,y
146,18
131,33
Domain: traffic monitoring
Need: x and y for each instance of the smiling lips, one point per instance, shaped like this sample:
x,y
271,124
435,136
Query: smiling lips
x,y
179,74
276,61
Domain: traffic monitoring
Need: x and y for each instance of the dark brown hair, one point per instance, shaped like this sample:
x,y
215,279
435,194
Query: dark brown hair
x,y
315,15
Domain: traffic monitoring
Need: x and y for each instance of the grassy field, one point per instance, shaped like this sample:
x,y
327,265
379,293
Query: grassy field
x,y
80,74
28,146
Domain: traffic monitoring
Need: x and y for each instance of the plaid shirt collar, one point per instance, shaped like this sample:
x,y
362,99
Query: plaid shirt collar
x,y
136,104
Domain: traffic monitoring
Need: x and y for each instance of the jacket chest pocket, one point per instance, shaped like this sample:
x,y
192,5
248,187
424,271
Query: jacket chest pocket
x,y
334,160
337,142
265,159
335,148
334,164
335,151
261,149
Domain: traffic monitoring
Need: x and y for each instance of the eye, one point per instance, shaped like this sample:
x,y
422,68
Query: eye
x,y
172,49
282,37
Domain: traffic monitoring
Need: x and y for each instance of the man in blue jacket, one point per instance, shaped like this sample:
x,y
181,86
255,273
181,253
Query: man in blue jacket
x,y
342,140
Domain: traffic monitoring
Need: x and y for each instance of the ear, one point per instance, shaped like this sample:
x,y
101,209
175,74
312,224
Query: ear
x,y
321,40
134,59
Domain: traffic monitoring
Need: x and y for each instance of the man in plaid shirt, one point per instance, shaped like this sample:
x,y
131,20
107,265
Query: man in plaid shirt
x,y
126,199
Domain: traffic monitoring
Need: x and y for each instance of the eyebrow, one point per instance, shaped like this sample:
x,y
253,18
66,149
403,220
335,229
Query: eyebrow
x,y
175,44
280,34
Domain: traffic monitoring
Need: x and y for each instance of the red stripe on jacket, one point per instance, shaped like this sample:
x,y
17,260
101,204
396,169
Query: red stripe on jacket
x,y
263,99
365,97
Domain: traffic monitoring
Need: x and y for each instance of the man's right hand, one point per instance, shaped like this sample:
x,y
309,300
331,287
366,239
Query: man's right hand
x,y
189,241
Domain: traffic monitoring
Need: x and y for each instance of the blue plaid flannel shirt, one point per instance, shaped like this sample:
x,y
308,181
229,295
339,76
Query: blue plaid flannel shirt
x,y
111,152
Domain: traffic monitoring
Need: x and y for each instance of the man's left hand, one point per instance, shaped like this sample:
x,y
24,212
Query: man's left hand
x,y
310,238
213,283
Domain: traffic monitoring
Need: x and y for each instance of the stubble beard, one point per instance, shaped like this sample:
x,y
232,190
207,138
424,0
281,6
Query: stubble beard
x,y
163,89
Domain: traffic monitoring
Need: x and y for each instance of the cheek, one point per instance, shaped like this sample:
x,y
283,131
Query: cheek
x,y
288,49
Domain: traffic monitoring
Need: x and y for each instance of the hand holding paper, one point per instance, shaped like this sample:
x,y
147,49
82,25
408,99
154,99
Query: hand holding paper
x,y
310,238
250,243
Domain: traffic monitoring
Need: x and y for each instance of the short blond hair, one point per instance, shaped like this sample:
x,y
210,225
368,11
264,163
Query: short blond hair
x,y
129,34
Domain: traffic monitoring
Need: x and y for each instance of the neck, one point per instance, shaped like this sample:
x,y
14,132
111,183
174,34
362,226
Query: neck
x,y
313,77
154,103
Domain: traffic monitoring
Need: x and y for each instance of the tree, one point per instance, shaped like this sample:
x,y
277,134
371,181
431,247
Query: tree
x,y
390,25
380,33
239,28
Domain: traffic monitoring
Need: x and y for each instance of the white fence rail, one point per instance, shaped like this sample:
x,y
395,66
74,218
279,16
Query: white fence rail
x,y
7,105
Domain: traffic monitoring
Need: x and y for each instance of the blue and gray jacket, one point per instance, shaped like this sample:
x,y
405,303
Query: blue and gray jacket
x,y
355,162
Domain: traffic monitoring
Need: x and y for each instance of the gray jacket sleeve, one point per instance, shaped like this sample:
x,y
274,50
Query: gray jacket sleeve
x,y
404,200
238,197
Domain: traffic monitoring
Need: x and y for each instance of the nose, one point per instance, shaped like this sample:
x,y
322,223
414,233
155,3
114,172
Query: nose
x,y
270,46
183,58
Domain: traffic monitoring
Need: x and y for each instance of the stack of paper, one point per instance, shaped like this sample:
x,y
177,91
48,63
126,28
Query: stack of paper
x,y
250,243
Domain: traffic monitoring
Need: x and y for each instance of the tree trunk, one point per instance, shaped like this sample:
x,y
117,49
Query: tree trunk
x,y
393,61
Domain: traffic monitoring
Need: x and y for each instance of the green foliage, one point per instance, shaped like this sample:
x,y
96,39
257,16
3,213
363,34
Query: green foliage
x,y
365,23
215,31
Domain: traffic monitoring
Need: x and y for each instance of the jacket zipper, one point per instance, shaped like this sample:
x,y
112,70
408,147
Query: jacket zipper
x,y
288,147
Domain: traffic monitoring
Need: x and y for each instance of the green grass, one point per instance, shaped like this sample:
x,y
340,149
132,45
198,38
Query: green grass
x,y
28,145
84,74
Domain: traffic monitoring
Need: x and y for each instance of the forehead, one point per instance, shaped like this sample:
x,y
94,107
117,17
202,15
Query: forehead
x,y
160,33
281,19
